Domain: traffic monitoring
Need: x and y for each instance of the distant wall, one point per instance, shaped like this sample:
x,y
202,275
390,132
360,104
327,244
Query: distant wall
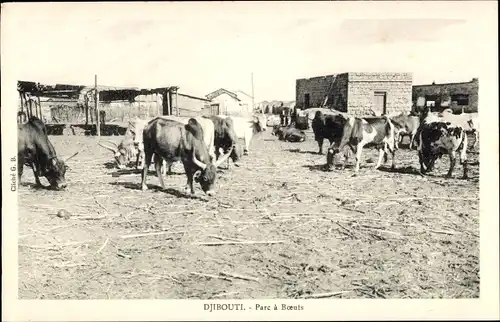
x,y
121,111
452,95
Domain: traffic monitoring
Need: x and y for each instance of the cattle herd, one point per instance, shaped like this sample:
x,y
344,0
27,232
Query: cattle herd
x,y
204,143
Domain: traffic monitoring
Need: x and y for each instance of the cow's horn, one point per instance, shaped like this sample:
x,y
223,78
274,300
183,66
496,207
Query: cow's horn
x,y
224,157
112,142
71,157
200,164
107,147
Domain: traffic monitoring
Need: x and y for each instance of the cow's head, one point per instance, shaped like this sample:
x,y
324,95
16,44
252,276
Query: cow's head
x,y
207,174
260,122
55,172
122,152
276,130
237,152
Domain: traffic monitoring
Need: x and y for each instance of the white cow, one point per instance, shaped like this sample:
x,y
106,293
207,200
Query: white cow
x,y
467,121
246,127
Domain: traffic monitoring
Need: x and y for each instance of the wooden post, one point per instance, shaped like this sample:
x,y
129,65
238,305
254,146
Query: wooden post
x,y
97,107
169,103
31,107
157,105
86,101
39,104
22,103
176,105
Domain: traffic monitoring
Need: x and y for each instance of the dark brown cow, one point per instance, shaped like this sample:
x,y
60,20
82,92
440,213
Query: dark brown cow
x,y
174,141
330,126
35,150
288,133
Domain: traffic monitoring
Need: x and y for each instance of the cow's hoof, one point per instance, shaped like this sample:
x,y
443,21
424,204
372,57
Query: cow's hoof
x,y
465,177
354,175
448,176
144,188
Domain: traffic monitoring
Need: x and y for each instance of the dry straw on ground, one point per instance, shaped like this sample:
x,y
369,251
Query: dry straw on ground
x,y
279,227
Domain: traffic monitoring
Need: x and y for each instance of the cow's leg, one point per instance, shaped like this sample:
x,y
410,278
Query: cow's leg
x,y
247,145
159,174
412,141
20,167
36,173
381,154
453,161
463,156
359,149
393,165
320,145
163,167
148,155
421,161
189,185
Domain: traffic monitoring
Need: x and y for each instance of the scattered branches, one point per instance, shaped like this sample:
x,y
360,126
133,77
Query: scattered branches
x,y
239,243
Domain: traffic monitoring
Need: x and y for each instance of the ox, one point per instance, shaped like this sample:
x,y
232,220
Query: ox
x,y
245,128
358,133
409,125
289,134
175,141
35,150
438,137
273,120
225,138
467,121
329,127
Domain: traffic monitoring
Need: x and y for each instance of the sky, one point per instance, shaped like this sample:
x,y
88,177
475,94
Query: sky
x,y
201,47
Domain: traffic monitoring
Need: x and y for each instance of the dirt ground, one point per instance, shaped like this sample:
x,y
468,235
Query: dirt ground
x,y
299,231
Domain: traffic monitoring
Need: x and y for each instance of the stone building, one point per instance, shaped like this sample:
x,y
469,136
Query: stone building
x,y
457,96
358,94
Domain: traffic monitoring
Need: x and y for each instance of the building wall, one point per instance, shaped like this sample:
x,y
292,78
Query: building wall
x,y
362,88
354,92
316,87
444,94
230,106
189,106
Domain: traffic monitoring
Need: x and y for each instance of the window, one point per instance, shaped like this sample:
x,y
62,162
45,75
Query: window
x,y
432,101
461,99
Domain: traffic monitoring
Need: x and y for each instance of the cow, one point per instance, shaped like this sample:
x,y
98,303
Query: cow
x,y
288,133
273,120
131,146
358,133
301,120
175,141
245,127
225,138
410,124
329,126
468,121
123,152
35,150
438,137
